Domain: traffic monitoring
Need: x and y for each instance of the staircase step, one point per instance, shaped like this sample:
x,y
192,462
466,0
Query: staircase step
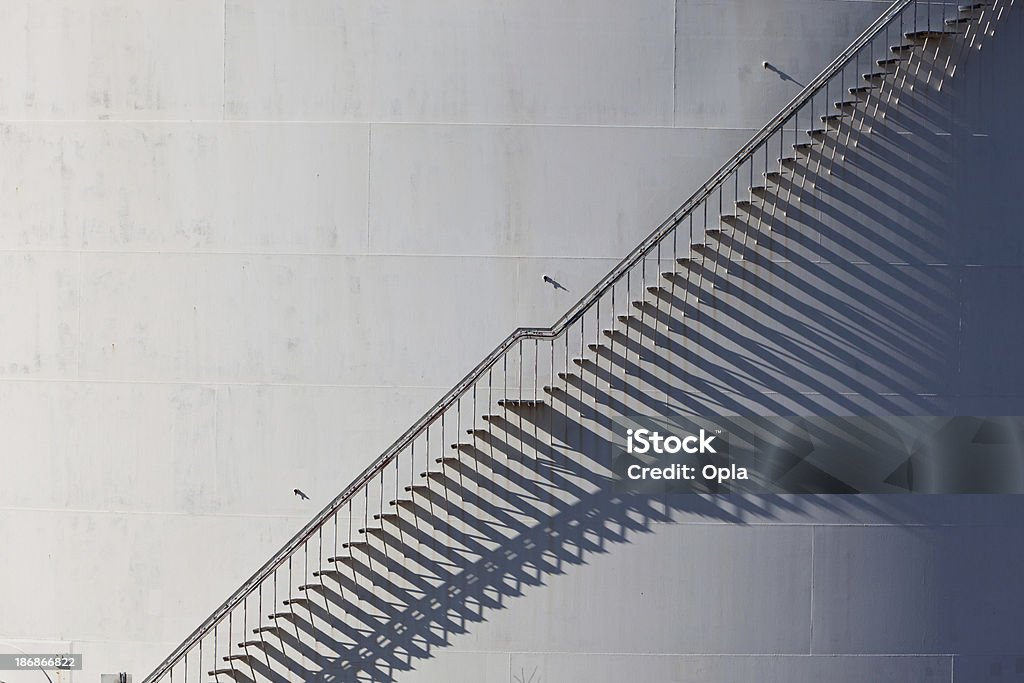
x,y
567,375
235,658
281,615
326,572
266,629
382,516
548,389
803,147
448,459
341,559
475,431
974,6
295,601
222,672
414,488
846,104
892,62
818,132
253,643
433,474
863,89
774,176
393,503
876,76
930,35
715,233
521,402
959,21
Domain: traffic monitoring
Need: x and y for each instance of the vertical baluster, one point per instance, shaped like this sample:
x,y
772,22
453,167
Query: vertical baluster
x,y
230,631
537,371
430,462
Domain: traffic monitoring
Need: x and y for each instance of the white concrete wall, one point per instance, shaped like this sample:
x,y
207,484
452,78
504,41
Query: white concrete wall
x,y
244,244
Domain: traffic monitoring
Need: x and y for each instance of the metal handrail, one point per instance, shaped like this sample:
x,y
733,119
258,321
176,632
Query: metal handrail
x,y
559,327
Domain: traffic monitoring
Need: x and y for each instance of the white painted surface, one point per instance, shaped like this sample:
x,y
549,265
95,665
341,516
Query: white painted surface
x,y
238,238
568,62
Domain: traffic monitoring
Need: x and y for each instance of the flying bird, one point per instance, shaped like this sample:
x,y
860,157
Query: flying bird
x,y
300,494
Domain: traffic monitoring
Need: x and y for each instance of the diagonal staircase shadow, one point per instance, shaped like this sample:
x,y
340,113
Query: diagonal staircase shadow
x,y
836,287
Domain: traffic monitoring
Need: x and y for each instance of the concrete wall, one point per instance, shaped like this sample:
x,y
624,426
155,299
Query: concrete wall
x,y
244,245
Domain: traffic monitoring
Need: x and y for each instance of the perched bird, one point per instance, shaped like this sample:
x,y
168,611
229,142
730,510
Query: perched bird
x,y
300,494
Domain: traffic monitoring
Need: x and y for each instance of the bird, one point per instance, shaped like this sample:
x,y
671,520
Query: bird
x,y
554,283
300,494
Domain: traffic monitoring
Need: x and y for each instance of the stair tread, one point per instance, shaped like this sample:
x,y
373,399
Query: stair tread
x,y
520,402
341,558
324,572
253,643
930,34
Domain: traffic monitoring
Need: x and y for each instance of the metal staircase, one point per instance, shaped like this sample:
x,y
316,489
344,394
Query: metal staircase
x,y
487,491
